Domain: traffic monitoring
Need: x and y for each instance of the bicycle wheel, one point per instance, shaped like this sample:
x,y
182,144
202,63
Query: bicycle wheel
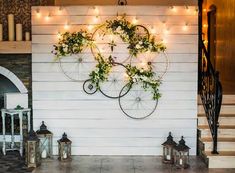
x,y
116,81
89,87
138,103
158,62
76,67
109,45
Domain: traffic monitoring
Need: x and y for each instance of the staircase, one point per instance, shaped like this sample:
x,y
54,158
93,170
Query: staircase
x,y
226,135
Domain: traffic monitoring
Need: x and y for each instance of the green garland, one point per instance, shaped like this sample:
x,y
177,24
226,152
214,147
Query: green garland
x,y
146,77
128,33
72,43
101,72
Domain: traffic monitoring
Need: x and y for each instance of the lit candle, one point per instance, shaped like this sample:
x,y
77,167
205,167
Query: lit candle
x,y
27,36
32,159
64,155
18,32
181,162
11,27
168,157
44,154
0,32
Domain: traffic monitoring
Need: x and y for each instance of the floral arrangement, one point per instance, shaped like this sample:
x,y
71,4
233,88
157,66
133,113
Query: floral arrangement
x,y
72,43
76,42
101,72
128,33
146,77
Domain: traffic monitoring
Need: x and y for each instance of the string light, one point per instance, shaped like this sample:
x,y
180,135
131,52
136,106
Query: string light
x,y
204,10
205,25
152,30
66,26
59,35
38,14
60,10
185,27
166,31
173,8
135,20
96,11
187,8
48,17
96,19
90,27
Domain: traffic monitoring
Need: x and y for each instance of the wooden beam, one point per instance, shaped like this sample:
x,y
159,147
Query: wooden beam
x,y
15,47
129,2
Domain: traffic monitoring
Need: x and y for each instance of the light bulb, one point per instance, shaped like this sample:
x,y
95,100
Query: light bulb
x,y
204,10
166,31
187,8
173,8
135,20
38,14
90,27
66,26
60,10
48,17
205,25
96,19
96,11
185,27
152,30
59,35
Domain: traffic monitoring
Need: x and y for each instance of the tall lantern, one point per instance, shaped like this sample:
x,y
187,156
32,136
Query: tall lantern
x,y
32,151
45,137
181,156
168,147
64,148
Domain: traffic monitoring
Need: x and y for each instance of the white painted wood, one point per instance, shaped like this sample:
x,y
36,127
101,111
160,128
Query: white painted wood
x,y
95,124
222,146
222,120
230,133
221,162
225,109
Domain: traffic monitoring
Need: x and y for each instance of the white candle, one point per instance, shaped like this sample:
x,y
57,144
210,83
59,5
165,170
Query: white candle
x,y
18,32
1,32
27,36
181,162
64,155
44,154
32,160
11,27
168,157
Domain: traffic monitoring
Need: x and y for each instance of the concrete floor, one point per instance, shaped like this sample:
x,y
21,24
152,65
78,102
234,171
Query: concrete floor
x,y
122,164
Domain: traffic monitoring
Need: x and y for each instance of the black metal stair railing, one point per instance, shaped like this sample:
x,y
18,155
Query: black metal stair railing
x,y
210,90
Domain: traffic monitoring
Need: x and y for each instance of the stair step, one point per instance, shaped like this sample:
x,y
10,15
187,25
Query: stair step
x,y
221,115
224,144
220,139
223,120
220,127
227,99
225,109
225,159
222,133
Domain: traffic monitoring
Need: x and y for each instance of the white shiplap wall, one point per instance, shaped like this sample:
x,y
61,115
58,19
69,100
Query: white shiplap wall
x,y
95,123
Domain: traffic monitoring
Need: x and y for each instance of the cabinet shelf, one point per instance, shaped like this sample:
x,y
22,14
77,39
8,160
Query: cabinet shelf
x,y
15,47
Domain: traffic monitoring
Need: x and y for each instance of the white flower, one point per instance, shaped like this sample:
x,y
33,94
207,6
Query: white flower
x,y
140,42
137,46
83,34
118,29
65,49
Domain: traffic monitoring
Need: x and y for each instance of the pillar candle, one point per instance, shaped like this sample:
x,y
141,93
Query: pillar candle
x,y
0,32
11,27
27,36
18,32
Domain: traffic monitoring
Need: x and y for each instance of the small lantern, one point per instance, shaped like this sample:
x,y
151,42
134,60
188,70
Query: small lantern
x,y
64,148
181,156
32,151
168,147
45,137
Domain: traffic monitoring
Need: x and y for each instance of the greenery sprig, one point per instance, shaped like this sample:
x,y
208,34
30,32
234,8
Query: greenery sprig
x,y
101,72
146,77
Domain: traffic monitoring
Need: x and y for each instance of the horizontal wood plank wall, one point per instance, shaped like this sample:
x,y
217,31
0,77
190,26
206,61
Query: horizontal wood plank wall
x,y
95,123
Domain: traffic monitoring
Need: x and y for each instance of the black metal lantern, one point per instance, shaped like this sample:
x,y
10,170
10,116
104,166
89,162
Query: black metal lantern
x,y
168,147
181,156
64,146
32,151
45,137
